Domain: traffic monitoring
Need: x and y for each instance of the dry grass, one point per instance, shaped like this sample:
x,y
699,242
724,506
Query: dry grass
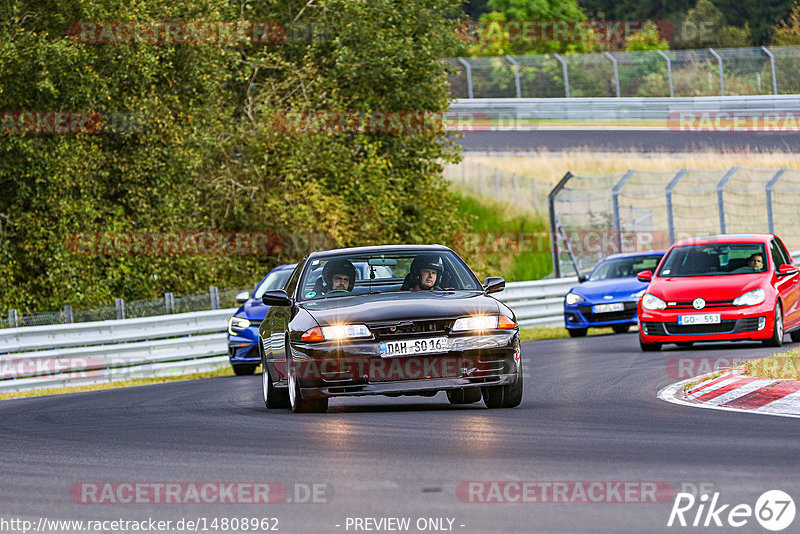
x,y
547,167
532,334
783,365
222,371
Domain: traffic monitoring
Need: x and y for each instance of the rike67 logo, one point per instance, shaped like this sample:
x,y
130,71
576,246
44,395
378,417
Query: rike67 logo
x,y
774,510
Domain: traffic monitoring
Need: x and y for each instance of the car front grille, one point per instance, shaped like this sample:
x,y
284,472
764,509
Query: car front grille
x,y
410,328
732,326
628,313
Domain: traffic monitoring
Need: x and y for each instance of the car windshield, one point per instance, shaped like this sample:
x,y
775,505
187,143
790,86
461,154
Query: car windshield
x,y
712,260
385,272
274,280
624,267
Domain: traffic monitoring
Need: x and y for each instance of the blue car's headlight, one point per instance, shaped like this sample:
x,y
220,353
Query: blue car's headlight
x,y
237,324
639,294
573,299
750,298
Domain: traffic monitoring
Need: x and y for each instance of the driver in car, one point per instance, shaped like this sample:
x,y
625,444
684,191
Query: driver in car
x,y
338,274
426,271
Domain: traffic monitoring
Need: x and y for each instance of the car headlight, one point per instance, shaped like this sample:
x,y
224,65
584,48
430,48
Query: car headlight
x,y
336,332
237,323
750,298
651,302
482,322
639,294
573,298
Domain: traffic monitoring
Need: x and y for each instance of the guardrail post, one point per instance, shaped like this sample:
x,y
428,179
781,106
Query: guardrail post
x,y
772,68
770,186
615,203
551,208
120,305
720,200
670,219
169,302
669,72
616,71
721,74
12,318
515,68
566,73
469,76
68,314
214,292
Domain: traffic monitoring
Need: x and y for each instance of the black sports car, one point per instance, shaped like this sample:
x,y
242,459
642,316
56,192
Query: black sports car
x,y
411,320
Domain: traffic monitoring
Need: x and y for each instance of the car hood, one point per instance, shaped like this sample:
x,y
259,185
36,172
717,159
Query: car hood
x,y
618,288
390,307
253,310
726,287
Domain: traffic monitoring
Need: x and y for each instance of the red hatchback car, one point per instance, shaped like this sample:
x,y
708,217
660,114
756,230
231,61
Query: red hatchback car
x,y
721,288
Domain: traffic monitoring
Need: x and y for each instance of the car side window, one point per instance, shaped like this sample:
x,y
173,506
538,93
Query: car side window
x,y
787,258
777,257
292,283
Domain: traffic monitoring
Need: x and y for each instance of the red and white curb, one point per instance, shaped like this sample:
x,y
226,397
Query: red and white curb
x,y
734,392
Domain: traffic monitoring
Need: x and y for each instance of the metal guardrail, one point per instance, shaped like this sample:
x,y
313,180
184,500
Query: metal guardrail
x,y
518,113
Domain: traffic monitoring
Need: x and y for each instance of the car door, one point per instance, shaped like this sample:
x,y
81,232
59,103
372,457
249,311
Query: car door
x,y
788,285
278,319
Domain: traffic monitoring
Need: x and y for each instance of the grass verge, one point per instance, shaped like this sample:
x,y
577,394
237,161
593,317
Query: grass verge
x,y
532,334
222,371
782,365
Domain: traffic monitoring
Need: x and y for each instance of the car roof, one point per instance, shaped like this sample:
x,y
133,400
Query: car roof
x,y
285,267
631,254
725,239
378,248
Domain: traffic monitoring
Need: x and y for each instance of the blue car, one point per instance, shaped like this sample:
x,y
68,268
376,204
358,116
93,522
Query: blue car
x,y
243,326
608,296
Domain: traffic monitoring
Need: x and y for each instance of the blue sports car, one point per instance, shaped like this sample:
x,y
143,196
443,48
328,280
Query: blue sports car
x,y
608,296
243,326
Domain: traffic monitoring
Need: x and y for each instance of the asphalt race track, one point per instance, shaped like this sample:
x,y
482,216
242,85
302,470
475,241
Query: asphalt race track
x,y
590,413
628,140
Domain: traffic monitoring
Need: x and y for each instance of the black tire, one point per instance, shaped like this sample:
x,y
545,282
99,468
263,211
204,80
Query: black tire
x,y
464,396
273,397
649,347
777,331
298,404
577,332
243,369
795,335
621,328
508,396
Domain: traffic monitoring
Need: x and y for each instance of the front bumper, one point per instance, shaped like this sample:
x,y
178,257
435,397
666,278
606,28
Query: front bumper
x,y
242,348
581,315
749,323
356,368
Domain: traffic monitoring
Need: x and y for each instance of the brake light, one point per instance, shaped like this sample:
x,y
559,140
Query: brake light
x,y
313,334
505,323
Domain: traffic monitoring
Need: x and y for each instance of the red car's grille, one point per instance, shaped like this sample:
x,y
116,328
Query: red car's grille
x,y
732,326
709,304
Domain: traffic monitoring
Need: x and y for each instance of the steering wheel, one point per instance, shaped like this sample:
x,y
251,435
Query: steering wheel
x,y
336,292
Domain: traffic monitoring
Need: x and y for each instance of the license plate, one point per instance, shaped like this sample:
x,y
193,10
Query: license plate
x,y
411,347
610,307
699,318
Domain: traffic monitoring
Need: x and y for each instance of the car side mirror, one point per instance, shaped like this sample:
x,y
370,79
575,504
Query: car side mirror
x,y
242,297
786,269
644,276
494,284
276,297
581,278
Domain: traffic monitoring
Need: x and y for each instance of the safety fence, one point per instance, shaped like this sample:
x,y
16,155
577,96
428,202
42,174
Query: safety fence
x,y
71,355
594,216
655,73
523,192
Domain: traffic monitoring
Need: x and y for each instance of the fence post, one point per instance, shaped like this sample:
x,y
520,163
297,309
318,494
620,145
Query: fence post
x,y
551,208
12,318
770,186
566,73
214,292
669,72
720,200
616,71
721,74
515,68
169,302
615,203
772,68
68,318
670,186
469,76
120,305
